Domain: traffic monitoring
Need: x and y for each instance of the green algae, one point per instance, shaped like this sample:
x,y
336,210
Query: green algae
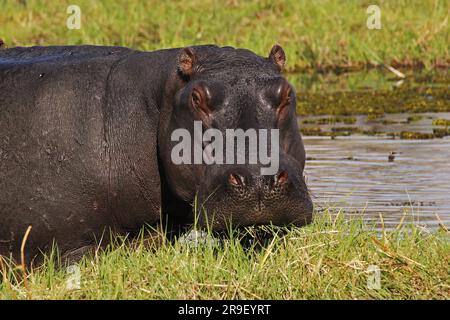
x,y
375,103
441,122
360,103
346,129
414,118
419,93
311,131
415,135
331,120
440,133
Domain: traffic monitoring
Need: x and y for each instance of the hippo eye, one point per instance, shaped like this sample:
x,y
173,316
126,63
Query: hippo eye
x,y
196,99
285,102
199,102
286,97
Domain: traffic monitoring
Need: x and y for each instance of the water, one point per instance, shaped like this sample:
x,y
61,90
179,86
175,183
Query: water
x,y
354,172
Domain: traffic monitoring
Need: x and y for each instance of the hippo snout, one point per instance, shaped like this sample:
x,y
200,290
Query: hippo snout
x,y
244,197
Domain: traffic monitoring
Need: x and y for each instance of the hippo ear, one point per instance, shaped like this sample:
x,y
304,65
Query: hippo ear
x,y
278,56
186,61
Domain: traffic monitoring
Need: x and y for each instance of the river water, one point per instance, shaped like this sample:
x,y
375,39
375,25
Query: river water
x,y
377,174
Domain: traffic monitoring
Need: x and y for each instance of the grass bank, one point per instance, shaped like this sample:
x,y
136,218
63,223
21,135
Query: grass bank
x,y
329,259
324,35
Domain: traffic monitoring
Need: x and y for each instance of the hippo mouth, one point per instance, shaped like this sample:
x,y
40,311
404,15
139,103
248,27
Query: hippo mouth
x,y
261,220
224,225
249,237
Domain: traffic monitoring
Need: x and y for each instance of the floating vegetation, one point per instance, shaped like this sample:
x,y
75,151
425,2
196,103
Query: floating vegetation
x,y
316,131
326,121
350,109
311,131
414,118
374,116
415,135
387,121
339,131
309,121
440,133
331,120
441,122
348,120
371,132
346,129
411,97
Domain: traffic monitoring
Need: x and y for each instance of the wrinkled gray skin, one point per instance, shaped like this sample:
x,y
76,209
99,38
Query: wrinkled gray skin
x,y
85,143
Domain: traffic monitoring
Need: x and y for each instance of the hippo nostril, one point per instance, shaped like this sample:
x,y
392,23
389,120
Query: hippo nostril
x,y
236,179
281,178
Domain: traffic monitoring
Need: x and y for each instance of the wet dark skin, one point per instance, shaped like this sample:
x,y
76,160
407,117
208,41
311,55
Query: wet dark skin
x,y
85,143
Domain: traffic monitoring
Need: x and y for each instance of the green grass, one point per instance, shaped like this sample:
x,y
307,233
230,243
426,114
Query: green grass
x,y
328,259
315,34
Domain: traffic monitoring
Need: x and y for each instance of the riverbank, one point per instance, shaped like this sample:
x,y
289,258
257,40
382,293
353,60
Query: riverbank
x,y
329,259
323,36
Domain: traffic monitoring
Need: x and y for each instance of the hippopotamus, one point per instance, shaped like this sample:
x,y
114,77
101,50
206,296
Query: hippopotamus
x,y
85,143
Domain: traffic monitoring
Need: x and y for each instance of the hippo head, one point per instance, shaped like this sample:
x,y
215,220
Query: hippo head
x,y
226,91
